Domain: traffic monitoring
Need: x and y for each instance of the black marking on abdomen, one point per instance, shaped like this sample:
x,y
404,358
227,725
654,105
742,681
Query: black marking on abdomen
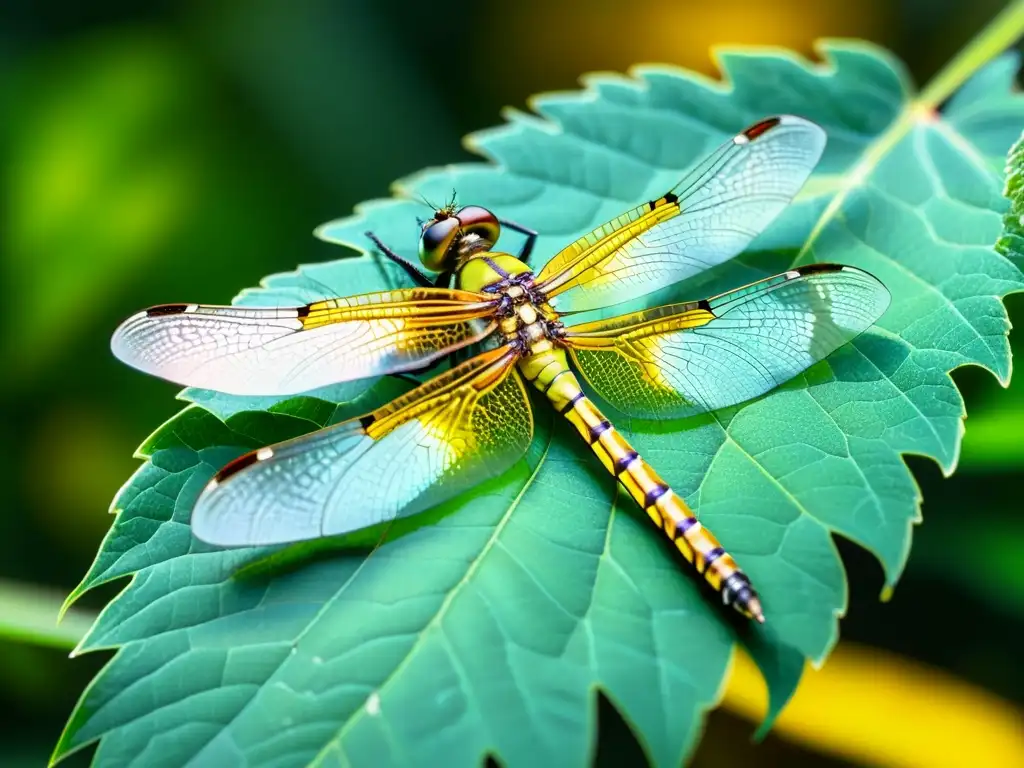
x,y
367,420
166,309
572,402
684,525
736,580
599,429
302,312
654,494
555,378
737,589
712,555
623,462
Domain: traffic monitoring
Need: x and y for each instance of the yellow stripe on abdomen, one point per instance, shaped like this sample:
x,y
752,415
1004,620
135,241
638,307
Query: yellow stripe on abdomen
x,y
547,369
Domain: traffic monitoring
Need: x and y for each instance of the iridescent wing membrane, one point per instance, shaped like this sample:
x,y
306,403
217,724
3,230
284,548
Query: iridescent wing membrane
x,y
680,359
461,428
706,219
288,350
474,421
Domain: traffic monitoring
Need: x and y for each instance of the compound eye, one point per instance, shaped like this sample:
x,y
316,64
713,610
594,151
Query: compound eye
x,y
479,221
436,240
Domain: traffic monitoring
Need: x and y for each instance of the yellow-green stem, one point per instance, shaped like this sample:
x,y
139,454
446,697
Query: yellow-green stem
x,y
29,614
1002,32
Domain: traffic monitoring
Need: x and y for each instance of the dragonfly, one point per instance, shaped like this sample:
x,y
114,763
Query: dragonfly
x,y
474,420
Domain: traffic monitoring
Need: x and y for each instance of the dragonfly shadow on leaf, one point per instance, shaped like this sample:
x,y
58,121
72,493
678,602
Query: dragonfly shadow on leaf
x,y
296,556
363,542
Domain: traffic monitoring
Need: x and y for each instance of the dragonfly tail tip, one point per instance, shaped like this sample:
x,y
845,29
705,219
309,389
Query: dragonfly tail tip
x,y
754,606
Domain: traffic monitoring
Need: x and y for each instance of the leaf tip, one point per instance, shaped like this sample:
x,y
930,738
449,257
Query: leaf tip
x,y
1004,377
71,599
82,647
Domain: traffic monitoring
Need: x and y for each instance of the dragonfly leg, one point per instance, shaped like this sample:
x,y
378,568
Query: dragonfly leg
x,y
407,377
418,277
531,238
443,279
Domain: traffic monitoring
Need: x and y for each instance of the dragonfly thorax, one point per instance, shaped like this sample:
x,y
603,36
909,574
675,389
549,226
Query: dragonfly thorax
x,y
524,316
489,272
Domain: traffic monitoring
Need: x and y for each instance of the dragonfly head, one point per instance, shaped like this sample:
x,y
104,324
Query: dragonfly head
x,y
452,236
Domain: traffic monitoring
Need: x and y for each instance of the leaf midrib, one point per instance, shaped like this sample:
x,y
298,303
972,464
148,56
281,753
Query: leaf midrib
x,y
993,40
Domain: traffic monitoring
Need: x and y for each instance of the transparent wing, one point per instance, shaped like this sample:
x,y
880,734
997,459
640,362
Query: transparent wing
x,y
287,350
459,429
680,359
709,217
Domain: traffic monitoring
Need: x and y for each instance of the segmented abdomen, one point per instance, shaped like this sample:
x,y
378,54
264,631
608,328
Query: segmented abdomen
x,y
547,369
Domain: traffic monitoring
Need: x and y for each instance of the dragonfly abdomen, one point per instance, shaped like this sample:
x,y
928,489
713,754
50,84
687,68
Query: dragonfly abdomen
x,y
547,369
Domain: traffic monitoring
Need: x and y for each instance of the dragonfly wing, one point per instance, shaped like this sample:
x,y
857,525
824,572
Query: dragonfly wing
x,y
459,429
287,350
709,217
680,359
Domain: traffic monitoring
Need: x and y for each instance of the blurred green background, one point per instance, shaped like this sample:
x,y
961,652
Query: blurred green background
x,y
160,151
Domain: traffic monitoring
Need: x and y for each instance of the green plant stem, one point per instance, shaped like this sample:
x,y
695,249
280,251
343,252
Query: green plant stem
x,y
28,613
1002,32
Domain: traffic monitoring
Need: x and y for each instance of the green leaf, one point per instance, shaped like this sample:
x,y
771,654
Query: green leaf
x,y
483,627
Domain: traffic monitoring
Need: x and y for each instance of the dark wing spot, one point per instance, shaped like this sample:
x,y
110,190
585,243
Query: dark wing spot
x,y
236,466
166,309
761,128
815,269
669,199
